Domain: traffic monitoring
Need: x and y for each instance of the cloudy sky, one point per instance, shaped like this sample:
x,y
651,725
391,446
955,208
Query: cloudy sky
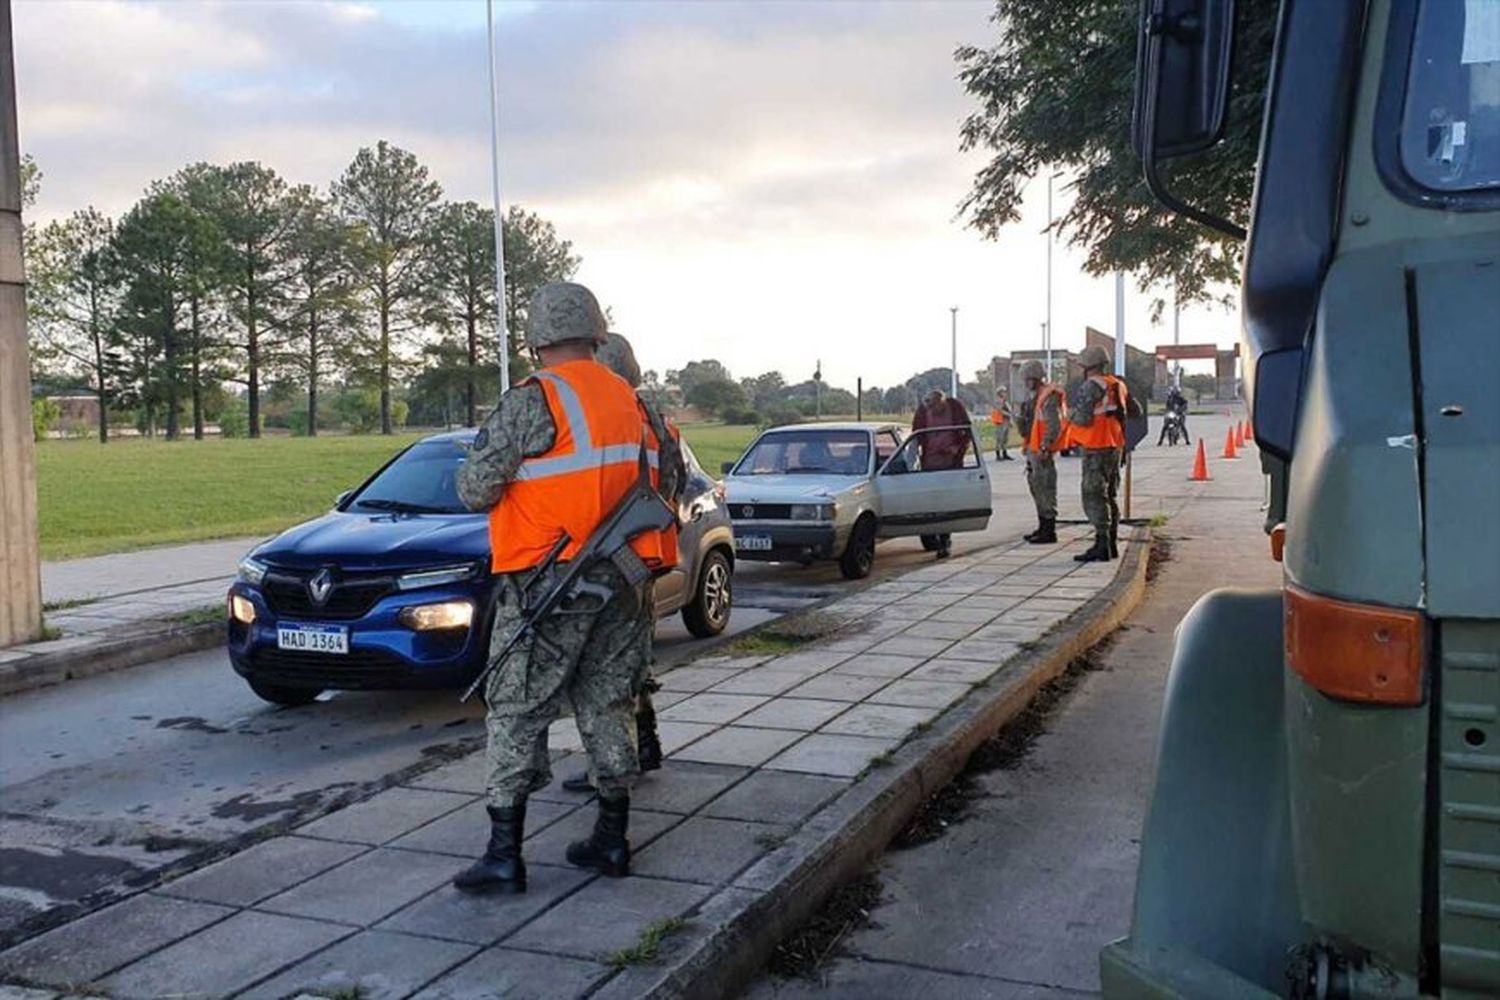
x,y
768,184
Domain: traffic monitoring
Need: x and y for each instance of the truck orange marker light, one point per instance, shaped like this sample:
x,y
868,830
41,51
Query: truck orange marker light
x,y
1355,652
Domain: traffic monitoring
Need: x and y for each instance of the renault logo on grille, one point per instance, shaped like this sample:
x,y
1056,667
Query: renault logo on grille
x,y
747,511
320,586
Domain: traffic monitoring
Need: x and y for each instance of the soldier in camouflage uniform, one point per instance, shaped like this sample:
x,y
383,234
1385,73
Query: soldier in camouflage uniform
x,y
617,354
591,663
1093,404
1041,425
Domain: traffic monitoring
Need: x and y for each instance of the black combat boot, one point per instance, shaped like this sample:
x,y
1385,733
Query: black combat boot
x,y
501,869
1098,552
1046,534
1041,525
606,851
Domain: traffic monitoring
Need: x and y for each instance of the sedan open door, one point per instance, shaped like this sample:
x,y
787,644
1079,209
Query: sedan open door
x,y
930,487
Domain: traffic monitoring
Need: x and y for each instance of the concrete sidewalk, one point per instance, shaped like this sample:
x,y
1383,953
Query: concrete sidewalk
x,y
772,760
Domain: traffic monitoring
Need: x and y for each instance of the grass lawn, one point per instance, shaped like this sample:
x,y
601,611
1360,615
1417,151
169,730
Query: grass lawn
x,y
132,493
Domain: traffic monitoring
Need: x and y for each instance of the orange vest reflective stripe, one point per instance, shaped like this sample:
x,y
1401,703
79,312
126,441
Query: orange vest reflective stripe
x,y
593,462
1034,439
1107,429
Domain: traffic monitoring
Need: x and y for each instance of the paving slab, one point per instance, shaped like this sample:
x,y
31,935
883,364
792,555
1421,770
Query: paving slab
x,y
712,707
386,816
928,629
466,774
964,613
958,671
373,965
835,755
881,721
517,975
607,915
483,920
84,950
707,850
921,693
839,687
762,680
262,871
802,714
364,890
683,787
991,651
776,797
738,745
695,678
464,832
880,664
676,735
224,958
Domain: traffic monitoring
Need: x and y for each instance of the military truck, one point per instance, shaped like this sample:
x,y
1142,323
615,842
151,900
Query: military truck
x,y
1326,814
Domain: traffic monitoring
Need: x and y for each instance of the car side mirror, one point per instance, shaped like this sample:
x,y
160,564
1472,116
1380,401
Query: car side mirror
x,y
338,501
725,468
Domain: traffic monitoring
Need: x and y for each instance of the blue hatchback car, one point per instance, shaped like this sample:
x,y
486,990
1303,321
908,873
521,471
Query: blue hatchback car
x,y
392,588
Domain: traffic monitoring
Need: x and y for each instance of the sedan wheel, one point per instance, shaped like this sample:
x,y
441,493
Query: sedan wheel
x,y
859,558
707,614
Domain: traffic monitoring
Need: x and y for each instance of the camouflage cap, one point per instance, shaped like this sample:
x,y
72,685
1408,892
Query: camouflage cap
x,y
617,354
1094,356
562,311
1033,369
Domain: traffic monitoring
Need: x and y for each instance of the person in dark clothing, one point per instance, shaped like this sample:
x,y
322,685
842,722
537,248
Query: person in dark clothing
x,y
942,449
1177,404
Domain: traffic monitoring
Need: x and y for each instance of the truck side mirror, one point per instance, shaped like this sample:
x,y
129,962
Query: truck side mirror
x,y
1182,90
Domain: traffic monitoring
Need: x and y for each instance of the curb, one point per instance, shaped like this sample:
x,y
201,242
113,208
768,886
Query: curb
x,y
732,934
44,669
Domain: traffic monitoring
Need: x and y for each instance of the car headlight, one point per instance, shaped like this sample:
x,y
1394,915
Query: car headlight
x,y
812,512
428,617
241,609
435,577
252,570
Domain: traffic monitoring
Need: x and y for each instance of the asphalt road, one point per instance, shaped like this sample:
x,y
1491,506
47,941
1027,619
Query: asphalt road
x,y
104,780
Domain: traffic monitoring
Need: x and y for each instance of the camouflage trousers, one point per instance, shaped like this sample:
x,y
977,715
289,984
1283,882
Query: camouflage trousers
x,y
593,664
1101,488
1041,477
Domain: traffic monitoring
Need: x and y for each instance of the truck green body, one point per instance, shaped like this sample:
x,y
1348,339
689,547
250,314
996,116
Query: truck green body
x,y
1298,844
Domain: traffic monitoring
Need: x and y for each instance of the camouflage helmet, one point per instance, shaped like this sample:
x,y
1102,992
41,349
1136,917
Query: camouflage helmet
x,y
617,355
562,311
1034,369
1094,356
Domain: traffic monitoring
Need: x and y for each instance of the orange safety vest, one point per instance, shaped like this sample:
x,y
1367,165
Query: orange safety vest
x,y
1107,429
669,537
1034,439
998,417
593,462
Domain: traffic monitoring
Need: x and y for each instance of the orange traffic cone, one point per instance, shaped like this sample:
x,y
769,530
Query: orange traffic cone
x,y
1239,434
1200,466
1229,451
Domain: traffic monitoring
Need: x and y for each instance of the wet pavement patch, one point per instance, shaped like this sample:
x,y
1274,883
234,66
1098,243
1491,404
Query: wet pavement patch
x,y
246,807
190,724
809,948
61,873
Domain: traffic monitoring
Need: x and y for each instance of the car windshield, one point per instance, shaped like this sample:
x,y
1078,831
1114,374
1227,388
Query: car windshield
x,y
807,452
422,480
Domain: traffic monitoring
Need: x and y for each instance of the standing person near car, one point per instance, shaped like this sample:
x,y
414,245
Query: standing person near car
x,y
944,448
1000,416
1043,414
1097,425
560,450
618,356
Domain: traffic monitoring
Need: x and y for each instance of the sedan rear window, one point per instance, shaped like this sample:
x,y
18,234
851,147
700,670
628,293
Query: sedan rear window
x,y
838,453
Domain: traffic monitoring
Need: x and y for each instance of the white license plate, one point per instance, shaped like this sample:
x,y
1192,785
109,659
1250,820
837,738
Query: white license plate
x,y
313,638
753,543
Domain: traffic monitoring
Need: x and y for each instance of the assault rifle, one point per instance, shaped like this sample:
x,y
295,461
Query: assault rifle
x,y
640,510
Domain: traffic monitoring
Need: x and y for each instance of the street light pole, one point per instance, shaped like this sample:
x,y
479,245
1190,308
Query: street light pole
x,y
953,314
501,332
1047,328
